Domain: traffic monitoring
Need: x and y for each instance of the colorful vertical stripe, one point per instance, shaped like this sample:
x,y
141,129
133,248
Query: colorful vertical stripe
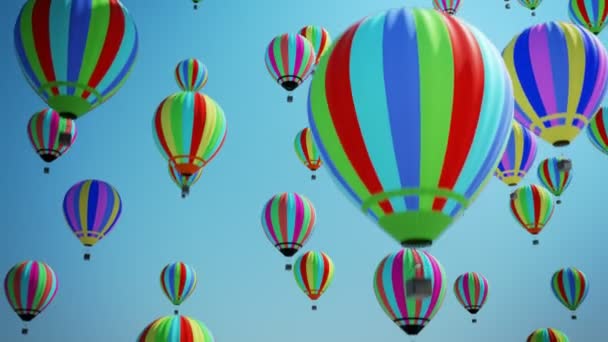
x,y
408,311
190,129
518,157
413,160
30,286
532,206
91,209
288,220
75,54
176,329
447,6
178,281
547,335
597,131
45,129
191,74
314,272
289,60
559,72
306,150
553,176
471,290
570,286
590,14
319,38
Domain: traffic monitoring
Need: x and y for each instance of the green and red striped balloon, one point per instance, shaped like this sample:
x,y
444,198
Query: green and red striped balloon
x,y
314,273
176,328
570,286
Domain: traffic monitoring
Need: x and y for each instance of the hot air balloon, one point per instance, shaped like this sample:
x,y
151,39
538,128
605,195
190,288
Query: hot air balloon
x,y
555,174
314,272
176,329
412,160
30,286
597,131
191,74
547,335
590,14
530,4
532,206
410,286
319,38
184,182
178,281
289,60
288,220
51,135
75,54
190,130
555,97
447,6
307,151
471,290
91,209
570,287
518,156
195,2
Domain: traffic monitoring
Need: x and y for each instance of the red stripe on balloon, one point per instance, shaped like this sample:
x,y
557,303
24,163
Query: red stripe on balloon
x,y
326,270
194,73
303,272
41,36
198,124
601,126
160,133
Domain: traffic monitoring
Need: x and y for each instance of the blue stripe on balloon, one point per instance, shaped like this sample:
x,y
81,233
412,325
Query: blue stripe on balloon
x,y
571,293
80,17
91,209
25,63
592,66
525,74
169,277
291,202
558,52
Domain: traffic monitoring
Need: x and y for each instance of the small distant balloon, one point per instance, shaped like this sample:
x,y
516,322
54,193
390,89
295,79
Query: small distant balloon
x,y
590,14
532,5
471,290
518,157
597,131
570,286
314,273
532,206
191,74
51,135
178,281
319,38
555,174
307,151
447,6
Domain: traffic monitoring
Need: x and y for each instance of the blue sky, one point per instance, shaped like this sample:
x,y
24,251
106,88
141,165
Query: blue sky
x,y
243,292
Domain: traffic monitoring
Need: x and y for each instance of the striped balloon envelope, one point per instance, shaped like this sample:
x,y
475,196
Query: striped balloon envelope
x,y
178,281
407,137
184,182
30,286
176,328
532,206
532,5
447,6
289,60
570,286
314,273
471,290
190,129
590,14
547,335
400,300
307,151
555,96
319,38
48,131
91,209
191,74
555,174
518,157
288,220
597,131
75,54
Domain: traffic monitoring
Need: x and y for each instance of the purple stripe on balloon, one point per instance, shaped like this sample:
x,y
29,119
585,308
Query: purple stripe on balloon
x,y
298,67
32,279
299,219
401,68
466,289
69,208
599,90
273,60
80,17
397,265
539,58
558,60
101,212
268,219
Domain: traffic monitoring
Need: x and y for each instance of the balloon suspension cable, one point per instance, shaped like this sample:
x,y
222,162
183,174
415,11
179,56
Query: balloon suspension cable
x,y
46,170
289,98
535,242
314,308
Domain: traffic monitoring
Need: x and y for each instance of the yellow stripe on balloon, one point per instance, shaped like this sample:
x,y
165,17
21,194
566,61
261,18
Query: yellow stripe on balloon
x,y
210,124
576,60
83,204
166,124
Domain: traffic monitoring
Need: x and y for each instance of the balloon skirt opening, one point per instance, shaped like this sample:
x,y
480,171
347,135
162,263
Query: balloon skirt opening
x,y
289,85
70,106
412,329
288,251
415,228
48,157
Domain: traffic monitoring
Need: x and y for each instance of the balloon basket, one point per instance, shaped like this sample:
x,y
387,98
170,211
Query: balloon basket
x,y
183,195
176,312
195,6
289,98
533,14
574,318
87,256
535,242
46,170
288,267
508,6
474,320
558,201
313,177
314,308
24,331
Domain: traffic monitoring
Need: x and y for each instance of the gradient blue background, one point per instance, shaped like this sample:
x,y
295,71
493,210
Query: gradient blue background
x,y
243,292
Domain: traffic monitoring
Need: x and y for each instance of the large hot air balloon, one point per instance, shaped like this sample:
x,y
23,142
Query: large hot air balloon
x,y
30,287
184,182
319,38
91,209
532,206
597,131
412,160
591,14
51,135
288,220
410,286
471,290
314,272
547,335
555,96
531,5
190,129
570,287
75,54
555,174
447,6
178,281
518,157
289,60
191,74
307,151
176,329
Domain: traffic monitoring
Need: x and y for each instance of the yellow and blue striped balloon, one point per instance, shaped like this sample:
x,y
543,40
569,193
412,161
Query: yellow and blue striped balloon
x,y
518,157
